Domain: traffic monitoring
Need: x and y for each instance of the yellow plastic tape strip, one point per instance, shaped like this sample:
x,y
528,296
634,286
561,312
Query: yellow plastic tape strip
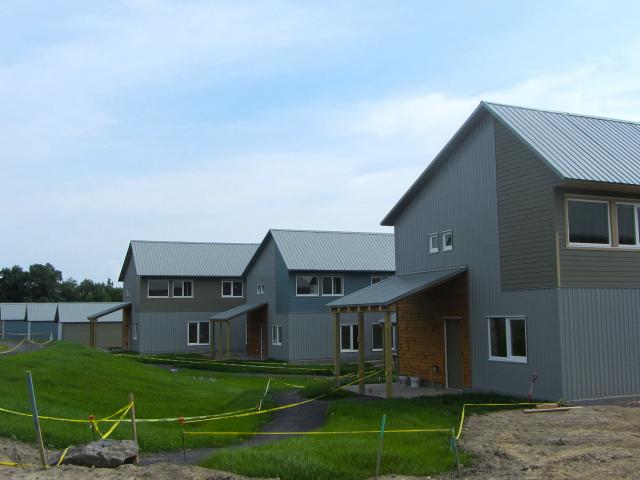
x,y
216,362
115,425
462,414
12,464
351,432
42,417
64,453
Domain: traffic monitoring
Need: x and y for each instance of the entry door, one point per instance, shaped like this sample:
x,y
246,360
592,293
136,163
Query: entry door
x,y
453,343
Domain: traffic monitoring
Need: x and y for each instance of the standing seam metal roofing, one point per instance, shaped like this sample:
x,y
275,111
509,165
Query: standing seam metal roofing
x,y
78,312
336,251
191,259
575,147
41,312
13,311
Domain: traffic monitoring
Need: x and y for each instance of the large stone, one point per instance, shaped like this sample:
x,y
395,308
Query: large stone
x,y
102,454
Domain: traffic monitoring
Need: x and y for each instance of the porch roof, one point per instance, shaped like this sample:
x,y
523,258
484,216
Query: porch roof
x,y
395,288
237,311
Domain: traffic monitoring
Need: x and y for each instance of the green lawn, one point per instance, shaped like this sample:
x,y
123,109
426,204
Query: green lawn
x,y
3,347
74,381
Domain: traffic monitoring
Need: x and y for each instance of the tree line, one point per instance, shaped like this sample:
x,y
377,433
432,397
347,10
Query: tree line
x,y
43,283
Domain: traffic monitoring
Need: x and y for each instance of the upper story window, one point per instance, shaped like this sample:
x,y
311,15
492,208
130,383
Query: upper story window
x,y
260,289
332,286
447,241
588,222
232,288
183,288
433,243
157,288
508,339
377,278
627,216
307,286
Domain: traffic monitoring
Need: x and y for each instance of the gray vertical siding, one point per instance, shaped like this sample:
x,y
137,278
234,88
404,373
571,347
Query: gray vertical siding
x,y
600,331
525,214
311,336
462,196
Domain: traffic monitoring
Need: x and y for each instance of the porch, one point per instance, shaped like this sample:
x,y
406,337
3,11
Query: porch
x,y
431,310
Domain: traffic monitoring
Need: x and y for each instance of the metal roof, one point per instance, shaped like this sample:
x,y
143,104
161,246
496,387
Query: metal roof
x,y
237,311
78,312
187,259
397,287
41,312
335,251
13,311
108,310
575,147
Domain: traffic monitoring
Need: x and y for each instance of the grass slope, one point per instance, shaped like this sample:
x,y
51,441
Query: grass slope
x,y
352,457
75,381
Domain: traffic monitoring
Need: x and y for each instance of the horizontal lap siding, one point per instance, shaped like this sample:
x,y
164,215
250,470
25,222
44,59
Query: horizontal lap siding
x,y
525,215
600,342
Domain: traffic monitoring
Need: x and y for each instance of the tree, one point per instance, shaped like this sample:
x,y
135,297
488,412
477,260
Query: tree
x,y
14,284
44,283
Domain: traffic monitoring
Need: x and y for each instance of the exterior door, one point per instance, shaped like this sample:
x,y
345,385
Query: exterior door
x,y
453,349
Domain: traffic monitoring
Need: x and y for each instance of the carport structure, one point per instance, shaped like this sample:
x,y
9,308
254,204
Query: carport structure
x,y
256,329
428,306
126,323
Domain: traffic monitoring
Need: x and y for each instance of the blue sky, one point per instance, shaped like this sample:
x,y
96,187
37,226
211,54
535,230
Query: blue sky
x,y
213,121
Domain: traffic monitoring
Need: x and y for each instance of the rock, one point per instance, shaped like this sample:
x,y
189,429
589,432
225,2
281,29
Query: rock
x,y
102,454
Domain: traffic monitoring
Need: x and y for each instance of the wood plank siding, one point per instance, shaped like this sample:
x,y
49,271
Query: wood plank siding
x,y
525,214
257,323
421,331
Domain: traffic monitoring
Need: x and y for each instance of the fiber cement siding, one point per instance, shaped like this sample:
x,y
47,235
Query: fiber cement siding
x,y
525,214
462,196
594,268
109,335
600,331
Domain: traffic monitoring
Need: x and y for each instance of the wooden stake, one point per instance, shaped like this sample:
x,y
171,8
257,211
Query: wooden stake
x,y
184,450
134,428
228,338
361,349
388,358
93,426
36,420
380,445
336,334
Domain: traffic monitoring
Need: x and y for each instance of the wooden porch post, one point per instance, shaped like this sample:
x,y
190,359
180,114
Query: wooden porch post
x,y
126,326
388,359
336,357
219,337
228,338
361,350
212,333
92,332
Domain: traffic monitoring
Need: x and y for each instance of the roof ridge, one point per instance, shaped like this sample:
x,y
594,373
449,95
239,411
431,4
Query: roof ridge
x,y
193,243
329,231
562,112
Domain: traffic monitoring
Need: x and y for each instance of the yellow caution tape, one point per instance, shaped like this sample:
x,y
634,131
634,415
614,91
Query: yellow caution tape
x,y
217,362
115,425
316,432
69,420
464,407
64,453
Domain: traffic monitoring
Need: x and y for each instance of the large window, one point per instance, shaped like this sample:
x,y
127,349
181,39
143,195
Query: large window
x,y
232,288
158,288
182,288
628,235
377,336
507,339
349,338
588,222
332,286
198,333
276,334
307,285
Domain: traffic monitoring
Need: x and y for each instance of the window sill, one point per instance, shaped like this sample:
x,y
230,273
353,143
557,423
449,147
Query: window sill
x,y
198,344
308,295
520,360
163,296
232,296
337,295
348,351
276,344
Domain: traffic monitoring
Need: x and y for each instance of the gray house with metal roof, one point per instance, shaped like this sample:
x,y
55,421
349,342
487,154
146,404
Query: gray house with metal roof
x,y
170,289
291,278
518,258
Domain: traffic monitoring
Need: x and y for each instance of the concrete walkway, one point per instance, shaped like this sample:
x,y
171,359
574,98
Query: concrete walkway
x,y
402,391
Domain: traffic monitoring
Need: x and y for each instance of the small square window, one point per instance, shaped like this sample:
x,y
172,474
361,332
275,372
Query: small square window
x,y
260,288
349,338
276,334
198,333
447,241
433,243
182,288
332,286
507,339
306,286
232,288
158,288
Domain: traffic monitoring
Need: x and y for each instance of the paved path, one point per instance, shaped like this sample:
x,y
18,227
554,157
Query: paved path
x,y
303,418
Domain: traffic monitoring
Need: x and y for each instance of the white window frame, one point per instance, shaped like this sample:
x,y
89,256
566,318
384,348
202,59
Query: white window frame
x,y
381,277
134,332
507,321
259,288
127,292
351,337
568,233
168,295
433,249
277,338
232,295
394,336
198,322
635,206
333,286
309,294
183,282
446,248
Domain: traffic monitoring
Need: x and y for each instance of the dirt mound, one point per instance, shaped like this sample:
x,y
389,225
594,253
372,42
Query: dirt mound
x,y
588,443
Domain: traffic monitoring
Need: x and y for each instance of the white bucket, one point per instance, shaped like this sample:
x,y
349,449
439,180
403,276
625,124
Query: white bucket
x,y
403,380
415,382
